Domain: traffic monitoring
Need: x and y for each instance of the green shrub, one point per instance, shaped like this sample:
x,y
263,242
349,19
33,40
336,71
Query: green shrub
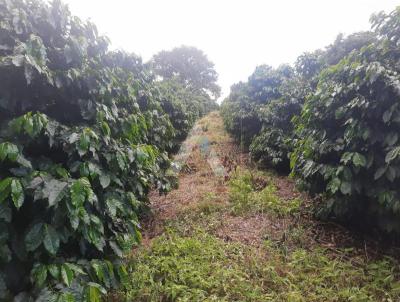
x,y
351,88
240,117
181,107
272,145
82,141
241,111
349,130
259,112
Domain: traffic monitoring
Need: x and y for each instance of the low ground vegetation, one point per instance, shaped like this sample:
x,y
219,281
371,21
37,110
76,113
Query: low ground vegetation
x,y
249,192
204,268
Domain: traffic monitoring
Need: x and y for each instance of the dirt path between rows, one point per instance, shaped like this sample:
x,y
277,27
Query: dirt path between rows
x,y
206,160
275,253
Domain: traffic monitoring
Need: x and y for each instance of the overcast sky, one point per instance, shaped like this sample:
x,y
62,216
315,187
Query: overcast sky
x,y
237,35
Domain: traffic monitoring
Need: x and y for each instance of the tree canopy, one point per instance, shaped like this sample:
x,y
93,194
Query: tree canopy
x,y
190,66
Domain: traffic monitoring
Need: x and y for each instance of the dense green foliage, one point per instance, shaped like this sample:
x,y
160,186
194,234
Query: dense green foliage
x,y
241,110
349,133
202,267
184,107
336,116
272,145
188,85
258,113
84,135
240,117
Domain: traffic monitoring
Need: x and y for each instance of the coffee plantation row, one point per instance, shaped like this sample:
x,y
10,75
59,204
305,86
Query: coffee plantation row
x,y
332,121
85,133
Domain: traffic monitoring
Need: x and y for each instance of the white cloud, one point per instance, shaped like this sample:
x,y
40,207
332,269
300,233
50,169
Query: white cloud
x,y
236,35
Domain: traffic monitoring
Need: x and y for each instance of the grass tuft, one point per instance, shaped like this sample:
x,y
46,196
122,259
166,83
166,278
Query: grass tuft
x,y
246,196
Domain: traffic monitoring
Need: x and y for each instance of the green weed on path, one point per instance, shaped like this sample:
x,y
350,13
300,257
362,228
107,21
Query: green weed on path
x,y
204,268
246,195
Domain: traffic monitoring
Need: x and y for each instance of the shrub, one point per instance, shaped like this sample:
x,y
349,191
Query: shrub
x,y
351,88
239,115
273,144
259,113
177,101
183,106
349,129
241,110
83,139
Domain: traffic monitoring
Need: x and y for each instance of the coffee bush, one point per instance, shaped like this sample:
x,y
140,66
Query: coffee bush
x,y
349,130
83,138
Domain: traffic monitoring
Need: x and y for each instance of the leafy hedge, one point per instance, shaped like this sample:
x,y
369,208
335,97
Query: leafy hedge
x,y
84,135
337,116
240,116
183,106
273,144
241,110
349,131
258,113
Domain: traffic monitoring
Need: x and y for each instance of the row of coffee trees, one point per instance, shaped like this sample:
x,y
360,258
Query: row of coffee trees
x,y
333,121
85,133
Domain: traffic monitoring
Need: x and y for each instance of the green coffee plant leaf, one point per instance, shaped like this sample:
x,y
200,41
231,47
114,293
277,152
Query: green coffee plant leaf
x,y
67,275
359,160
54,190
51,239
34,237
5,188
39,275
105,180
392,154
8,151
17,193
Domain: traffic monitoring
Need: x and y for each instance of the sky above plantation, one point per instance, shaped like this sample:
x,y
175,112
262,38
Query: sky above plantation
x,y
237,35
